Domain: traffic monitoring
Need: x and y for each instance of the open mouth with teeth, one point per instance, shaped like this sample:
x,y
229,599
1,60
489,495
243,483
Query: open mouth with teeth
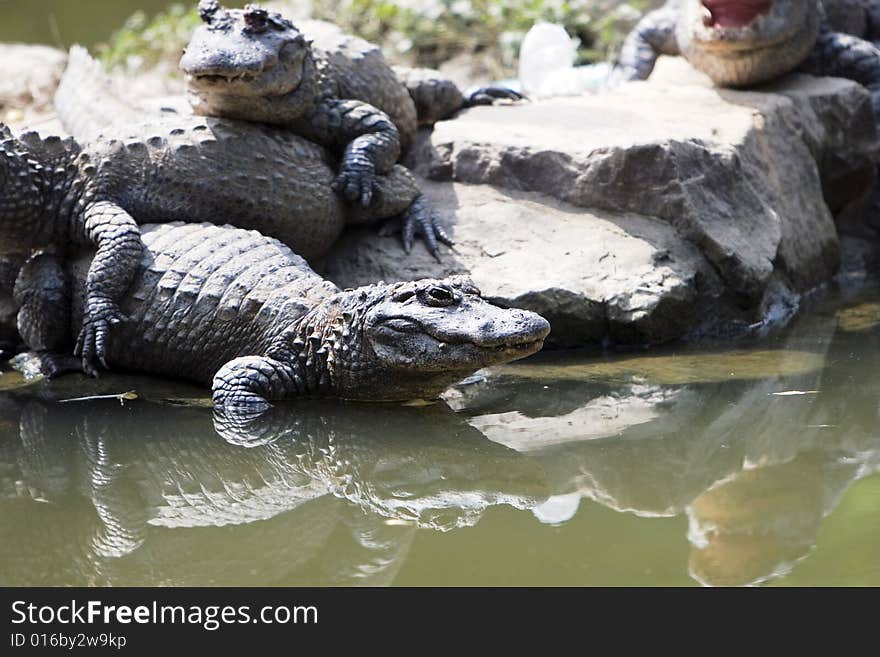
x,y
734,13
269,79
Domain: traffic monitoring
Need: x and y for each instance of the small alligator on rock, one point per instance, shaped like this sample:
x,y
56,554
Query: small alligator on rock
x,y
242,312
283,194
256,65
738,43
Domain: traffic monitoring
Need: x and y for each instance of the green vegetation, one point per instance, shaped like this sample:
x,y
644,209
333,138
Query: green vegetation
x,y
143,43
429,32
416,32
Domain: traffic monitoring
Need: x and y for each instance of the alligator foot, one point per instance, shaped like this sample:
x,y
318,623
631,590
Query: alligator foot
x,y
91,344
243,387
50,364
488,95
419,220
357,183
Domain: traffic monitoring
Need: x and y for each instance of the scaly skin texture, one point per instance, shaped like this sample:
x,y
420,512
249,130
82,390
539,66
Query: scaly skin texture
x,y
739,43
252,53
243,313
54,194
246,174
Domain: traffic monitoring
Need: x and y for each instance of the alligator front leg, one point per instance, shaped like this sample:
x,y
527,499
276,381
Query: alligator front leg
x,y
437,98
244,386
119,248
845,56
653,36
368,139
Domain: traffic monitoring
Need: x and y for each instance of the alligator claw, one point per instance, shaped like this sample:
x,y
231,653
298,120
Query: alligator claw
x,y
488,95
91,343
356,185
420,220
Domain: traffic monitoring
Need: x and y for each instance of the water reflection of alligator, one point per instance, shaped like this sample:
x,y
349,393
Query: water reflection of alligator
x,y
149,494
755,472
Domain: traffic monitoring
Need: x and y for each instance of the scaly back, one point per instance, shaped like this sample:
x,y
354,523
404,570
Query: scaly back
x,y
205,294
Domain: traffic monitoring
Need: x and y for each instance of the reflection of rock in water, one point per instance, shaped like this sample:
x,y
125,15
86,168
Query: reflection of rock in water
x,y
755,472
601,417
149,494
755,525
861,317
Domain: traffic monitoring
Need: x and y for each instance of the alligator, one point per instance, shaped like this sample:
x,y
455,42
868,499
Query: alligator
x,y
739,43
340,486
257,65
241,312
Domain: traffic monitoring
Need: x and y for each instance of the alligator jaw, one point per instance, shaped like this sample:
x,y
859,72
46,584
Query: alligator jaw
x,y
219,78
501,348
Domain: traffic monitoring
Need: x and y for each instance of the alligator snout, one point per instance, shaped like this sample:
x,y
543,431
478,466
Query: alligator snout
x,y
515,328
219,68
221,63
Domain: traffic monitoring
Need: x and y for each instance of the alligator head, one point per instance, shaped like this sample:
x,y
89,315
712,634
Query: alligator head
x,y
738,42
245,56
412,340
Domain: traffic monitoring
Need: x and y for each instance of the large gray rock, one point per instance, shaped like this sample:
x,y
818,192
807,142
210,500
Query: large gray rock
x,y
592,275
674,202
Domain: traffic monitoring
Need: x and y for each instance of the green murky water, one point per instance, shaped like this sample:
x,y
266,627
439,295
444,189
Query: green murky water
x,y
759,464
753,464
65,22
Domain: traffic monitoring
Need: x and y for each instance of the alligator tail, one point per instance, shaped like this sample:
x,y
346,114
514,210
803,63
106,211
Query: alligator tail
x,y
87,100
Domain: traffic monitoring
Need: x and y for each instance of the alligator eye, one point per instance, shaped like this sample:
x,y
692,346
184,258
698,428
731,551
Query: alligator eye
x,y
438,296
400,297
256,19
